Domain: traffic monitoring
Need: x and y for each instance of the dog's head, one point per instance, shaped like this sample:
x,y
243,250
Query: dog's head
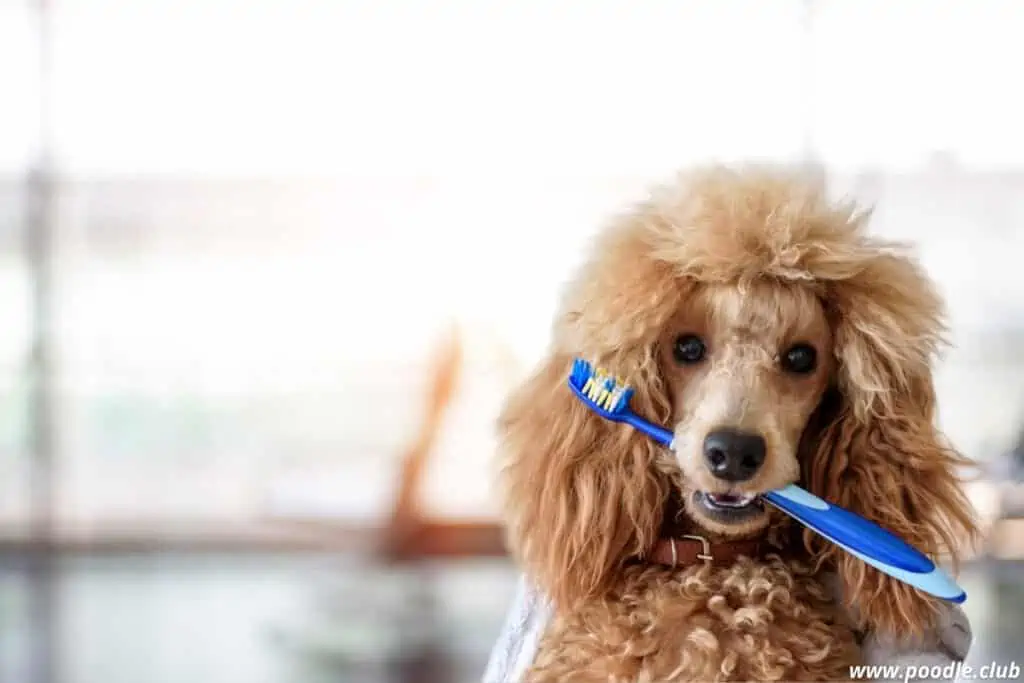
x,y
781,344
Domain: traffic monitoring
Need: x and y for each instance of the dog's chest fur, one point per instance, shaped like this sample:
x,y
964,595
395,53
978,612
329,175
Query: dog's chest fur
x,y
755,621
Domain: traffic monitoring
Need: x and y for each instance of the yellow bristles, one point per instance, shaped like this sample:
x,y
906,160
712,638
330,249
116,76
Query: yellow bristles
x,y
598,388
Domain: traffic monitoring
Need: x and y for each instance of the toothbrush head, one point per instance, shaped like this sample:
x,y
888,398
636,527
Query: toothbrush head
x,y
604,394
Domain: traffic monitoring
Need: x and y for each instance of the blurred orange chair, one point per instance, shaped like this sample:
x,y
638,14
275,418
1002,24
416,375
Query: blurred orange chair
x,y
410,535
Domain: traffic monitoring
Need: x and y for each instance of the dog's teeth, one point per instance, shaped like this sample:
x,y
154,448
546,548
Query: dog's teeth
x,y
733,501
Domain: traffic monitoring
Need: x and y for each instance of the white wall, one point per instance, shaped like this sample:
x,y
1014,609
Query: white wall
x,y
462,154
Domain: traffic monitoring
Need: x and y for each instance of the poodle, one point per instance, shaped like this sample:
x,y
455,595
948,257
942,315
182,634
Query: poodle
x,y
756,318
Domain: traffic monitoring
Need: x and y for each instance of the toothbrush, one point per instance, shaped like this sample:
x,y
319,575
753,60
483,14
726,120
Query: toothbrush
x,y
861,538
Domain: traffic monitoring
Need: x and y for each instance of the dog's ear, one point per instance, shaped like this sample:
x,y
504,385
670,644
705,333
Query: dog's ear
x,y
877,451
583,495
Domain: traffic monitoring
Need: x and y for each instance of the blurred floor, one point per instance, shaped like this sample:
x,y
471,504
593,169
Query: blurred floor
x,y
257,618
308,619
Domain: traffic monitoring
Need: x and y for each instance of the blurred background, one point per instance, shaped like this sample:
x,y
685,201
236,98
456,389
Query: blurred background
x,y
267,269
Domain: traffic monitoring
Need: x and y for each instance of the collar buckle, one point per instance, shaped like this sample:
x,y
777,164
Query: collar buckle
x,y
705,548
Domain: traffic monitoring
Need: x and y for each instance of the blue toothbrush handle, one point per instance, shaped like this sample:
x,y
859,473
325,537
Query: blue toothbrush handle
x,y
867,541
659,434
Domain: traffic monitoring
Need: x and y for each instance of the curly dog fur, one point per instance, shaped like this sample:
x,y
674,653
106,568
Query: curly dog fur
x,y
752,260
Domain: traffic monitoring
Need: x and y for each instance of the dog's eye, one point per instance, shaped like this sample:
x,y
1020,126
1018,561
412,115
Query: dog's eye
x,y
689,348
800,359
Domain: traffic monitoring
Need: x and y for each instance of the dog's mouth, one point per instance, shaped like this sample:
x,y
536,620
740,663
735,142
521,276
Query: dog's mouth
x,y
729,500
729,508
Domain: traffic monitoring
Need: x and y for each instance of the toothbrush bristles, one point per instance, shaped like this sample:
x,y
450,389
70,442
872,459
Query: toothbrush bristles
x,y
606,392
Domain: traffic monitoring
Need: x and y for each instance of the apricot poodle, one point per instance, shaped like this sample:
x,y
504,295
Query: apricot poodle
x,y
757,319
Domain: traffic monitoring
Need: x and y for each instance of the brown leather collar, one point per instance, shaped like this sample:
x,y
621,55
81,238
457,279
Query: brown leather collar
x,y
685,551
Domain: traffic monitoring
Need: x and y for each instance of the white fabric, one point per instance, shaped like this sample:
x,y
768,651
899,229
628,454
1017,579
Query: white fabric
x,y
530,611
520,635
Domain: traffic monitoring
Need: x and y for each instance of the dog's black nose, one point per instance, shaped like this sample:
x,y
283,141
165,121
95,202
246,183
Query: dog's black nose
x,y
733,455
